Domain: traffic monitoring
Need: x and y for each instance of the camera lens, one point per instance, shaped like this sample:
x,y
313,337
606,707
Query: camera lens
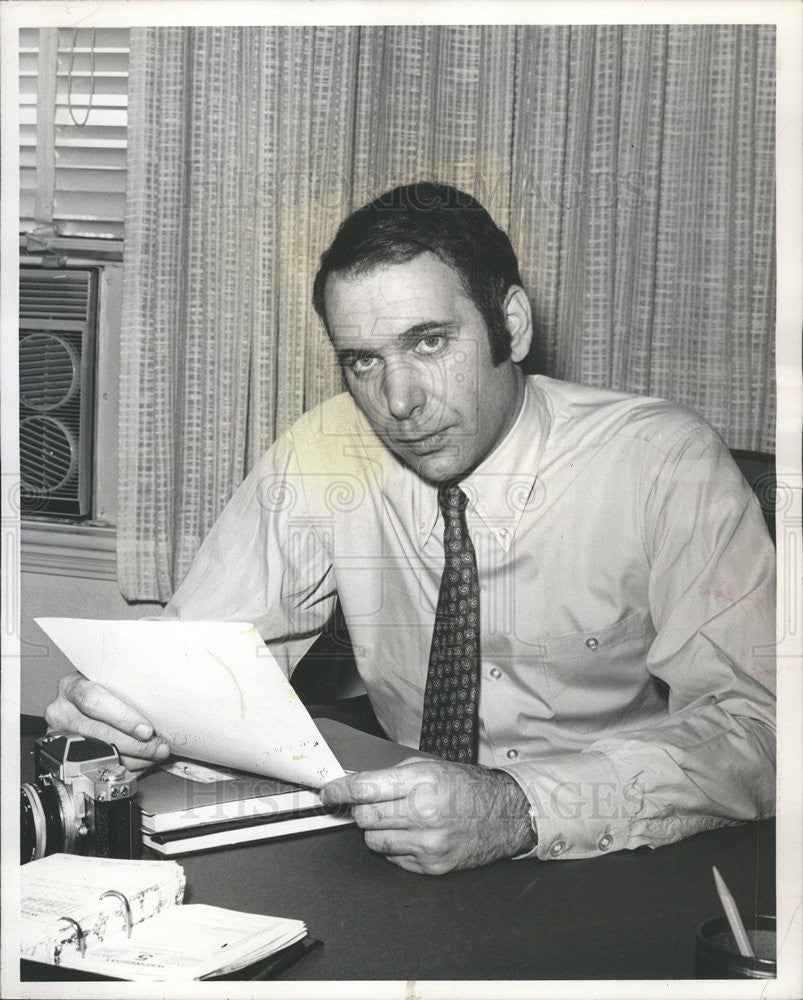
x,y
43,827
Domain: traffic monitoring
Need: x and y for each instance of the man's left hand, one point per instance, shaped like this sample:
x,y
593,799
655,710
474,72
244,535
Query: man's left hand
x,y
432,817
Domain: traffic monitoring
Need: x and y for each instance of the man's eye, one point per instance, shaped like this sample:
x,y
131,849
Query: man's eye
x,y
363,363
431,344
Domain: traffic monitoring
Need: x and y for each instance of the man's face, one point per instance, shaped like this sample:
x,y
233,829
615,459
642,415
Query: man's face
x,y
416,358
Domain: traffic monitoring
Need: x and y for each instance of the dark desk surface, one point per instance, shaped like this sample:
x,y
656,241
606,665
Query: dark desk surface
x,y
629,915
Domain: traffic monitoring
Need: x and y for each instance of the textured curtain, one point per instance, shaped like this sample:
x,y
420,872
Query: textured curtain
x,y
632,166
240,140
643,212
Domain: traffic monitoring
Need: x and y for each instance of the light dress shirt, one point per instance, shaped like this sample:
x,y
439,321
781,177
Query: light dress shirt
x,y
627,620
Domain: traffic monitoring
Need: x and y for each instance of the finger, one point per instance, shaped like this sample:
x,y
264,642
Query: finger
x,y
388,842
97,702
371,786
412,863
392,815
425,854
408,862
136,764
89,709
147,751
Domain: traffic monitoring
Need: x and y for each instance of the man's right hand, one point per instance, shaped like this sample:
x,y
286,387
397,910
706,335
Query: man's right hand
x,y
89,709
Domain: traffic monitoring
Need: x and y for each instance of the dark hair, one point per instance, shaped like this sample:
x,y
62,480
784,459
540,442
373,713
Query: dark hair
x,y
427,217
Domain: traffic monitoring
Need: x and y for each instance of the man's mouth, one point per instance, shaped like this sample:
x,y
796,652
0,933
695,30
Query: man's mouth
x,y
422,444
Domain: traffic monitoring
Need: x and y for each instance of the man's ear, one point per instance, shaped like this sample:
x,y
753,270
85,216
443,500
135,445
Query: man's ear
x,y
519,322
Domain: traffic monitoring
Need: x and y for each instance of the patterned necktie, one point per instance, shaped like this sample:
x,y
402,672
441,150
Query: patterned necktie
x,y
450,723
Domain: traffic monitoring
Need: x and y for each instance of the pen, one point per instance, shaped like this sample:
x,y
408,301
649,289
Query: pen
x,y
735,921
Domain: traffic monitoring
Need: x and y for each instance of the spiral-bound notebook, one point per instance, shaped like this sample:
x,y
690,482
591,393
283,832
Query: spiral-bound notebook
x,y
125,920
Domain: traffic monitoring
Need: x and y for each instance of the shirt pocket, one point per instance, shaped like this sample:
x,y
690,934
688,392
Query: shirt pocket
x,y
600,673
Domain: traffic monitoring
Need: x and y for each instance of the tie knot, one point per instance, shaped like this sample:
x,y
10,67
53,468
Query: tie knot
x,y
452,500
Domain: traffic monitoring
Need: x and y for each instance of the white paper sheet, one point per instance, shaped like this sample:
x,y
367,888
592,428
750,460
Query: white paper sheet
x,y
212,690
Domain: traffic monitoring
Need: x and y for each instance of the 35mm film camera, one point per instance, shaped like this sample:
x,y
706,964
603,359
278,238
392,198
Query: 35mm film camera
x,y
82,802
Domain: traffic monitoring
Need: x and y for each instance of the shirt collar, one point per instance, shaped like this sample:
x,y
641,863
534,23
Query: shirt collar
x,y
500,487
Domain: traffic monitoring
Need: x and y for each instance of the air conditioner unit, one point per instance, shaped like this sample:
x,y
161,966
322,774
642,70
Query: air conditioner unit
x,y
58,324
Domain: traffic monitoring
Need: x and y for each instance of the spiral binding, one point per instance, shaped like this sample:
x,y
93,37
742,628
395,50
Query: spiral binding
x,y
79,934
126,905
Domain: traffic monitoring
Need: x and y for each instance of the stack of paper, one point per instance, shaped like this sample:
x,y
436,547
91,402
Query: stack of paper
x,y
186,806
76,912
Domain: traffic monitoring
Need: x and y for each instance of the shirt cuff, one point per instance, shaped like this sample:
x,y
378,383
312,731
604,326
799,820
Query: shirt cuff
x,y
578,806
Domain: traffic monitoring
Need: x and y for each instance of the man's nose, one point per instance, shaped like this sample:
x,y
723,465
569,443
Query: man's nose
x,y
403,390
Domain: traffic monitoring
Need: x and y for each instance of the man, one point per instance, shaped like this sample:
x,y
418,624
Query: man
x,y
564,593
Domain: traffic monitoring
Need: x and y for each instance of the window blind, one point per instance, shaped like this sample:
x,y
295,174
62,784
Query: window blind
x,y
73,130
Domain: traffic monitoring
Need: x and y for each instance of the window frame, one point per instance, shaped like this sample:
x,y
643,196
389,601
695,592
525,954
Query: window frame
x,y
62,90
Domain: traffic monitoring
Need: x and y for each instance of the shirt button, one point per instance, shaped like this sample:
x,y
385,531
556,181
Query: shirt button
x,y
496,673
503,532
512,754
557,848
605,842
593,644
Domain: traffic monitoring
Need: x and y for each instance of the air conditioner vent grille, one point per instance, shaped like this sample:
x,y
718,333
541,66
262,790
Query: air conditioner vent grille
x,y
53,297
47,455
56,372
49,370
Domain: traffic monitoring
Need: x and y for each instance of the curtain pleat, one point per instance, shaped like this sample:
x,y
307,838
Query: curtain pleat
x,y
305,77
436,103
632,165
153,315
